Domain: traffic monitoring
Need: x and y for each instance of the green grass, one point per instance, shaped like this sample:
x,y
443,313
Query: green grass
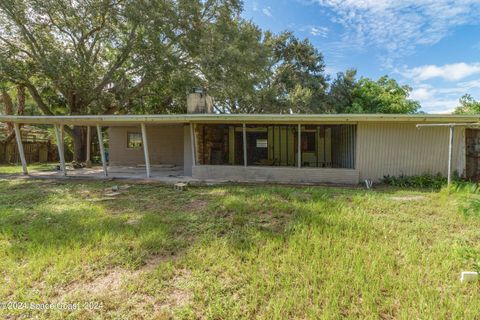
x,y
14,169
236,252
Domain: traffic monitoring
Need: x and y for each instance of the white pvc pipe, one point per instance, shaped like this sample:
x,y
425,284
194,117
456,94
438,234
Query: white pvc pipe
x,y
102,150
299,147
145,149
450,155
18,137
61,153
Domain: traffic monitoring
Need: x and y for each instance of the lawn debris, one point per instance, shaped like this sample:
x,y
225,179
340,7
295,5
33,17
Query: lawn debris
x,y
180,186
468,276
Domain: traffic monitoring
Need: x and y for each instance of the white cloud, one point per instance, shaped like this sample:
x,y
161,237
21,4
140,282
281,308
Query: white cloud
x,y
319,31
441,99
399,26
421,94
439,105
434,100
449,72
267,11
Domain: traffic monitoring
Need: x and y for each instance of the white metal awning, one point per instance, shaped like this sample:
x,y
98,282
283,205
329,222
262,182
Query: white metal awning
x,y
241,118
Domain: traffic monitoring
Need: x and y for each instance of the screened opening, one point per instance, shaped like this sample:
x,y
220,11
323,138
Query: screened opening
x,y
321,146
216,144
269,145
328,146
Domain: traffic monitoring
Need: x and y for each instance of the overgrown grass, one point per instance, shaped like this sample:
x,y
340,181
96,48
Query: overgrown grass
x,y
236,252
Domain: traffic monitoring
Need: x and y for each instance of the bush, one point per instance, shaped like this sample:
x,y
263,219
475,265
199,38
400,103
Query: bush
x,y
420,181
469,192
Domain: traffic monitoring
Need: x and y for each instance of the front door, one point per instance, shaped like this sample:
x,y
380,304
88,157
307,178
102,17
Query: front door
x,y
472,153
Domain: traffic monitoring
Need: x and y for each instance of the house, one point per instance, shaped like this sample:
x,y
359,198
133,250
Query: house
x,y
327,148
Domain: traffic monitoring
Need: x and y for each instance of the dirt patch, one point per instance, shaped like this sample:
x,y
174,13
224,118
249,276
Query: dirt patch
x,y
196,205
111,281
179,293
408,198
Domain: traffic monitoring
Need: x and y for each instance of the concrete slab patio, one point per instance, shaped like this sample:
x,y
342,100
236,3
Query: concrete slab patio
x,y
167,175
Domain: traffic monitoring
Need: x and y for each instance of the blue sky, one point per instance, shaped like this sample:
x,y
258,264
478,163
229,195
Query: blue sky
x,y
431,45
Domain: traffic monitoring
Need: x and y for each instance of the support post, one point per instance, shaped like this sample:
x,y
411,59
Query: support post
x,y
145,148
102,150
450,154
299,146
88,161
244,145
61,153
18,137
192,144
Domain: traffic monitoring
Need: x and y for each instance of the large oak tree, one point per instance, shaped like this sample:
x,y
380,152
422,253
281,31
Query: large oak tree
x,y
99,56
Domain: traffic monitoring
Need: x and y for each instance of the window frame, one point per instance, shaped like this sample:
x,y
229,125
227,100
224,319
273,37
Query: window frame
x,y
138,145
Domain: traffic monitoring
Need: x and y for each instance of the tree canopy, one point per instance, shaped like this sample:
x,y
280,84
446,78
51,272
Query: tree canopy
x,y
385,95
143,56
468,105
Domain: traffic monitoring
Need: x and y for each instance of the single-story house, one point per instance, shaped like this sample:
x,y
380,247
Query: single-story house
x,y
288,148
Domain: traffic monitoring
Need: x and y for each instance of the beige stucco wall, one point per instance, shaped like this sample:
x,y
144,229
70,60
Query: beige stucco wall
x,y
165,144
396,148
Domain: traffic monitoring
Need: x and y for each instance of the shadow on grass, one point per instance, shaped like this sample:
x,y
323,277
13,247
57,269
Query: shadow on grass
x,y
44,217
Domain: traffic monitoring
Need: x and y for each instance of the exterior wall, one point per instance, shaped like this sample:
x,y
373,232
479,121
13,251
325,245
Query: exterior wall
x,y
165,145
381,149
401,148
276,174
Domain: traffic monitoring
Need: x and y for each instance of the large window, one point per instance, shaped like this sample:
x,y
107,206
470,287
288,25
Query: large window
x,y
321,146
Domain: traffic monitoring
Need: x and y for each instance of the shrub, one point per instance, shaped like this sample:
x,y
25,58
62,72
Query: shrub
x,y
419,181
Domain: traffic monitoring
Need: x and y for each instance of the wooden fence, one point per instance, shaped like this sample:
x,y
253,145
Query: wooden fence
x,y
35,151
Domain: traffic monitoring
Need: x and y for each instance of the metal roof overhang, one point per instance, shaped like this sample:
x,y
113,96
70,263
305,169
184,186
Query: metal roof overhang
x,y
108,120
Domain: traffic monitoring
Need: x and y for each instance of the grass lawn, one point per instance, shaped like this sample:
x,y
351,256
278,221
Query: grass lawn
x,y
14,169
235,252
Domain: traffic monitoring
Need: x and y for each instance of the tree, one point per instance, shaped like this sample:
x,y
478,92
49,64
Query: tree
x,y
233,61
297,83
468,105
101,56
9,106
341,95
384,95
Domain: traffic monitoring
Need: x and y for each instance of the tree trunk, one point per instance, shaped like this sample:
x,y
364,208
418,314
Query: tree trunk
x,y
79,144
7,101
21,100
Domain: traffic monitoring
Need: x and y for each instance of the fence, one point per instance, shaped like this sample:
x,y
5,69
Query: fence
x,y
35,151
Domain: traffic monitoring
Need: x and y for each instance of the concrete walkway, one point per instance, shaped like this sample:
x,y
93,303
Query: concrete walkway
x,y
167,175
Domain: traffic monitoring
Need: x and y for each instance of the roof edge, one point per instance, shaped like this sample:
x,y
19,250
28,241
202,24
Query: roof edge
x,y
239,118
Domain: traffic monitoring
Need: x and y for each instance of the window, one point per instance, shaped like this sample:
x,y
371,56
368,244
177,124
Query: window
x,y
262,143
134,140
308,141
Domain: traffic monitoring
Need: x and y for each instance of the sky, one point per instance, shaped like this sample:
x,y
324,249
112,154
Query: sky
x,y
431,45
